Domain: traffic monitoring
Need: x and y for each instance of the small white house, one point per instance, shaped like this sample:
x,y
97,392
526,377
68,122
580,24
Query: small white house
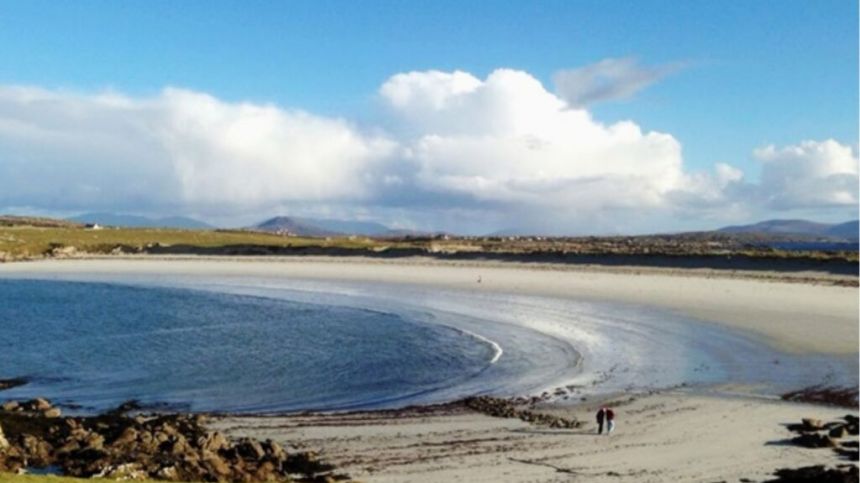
x,y
93,226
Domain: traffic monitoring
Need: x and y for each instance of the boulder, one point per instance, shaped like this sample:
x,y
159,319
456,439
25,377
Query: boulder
x,y
213,442
38,451
167,473
838,432
10,406
250,449
4,443
814,440
52,413
812,424
127,438
40,404
214,464
93,441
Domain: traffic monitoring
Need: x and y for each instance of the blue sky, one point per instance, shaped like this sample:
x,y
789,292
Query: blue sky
x,y
750,73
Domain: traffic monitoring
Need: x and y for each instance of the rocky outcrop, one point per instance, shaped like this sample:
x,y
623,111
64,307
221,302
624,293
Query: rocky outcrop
x,y
840,436
166,447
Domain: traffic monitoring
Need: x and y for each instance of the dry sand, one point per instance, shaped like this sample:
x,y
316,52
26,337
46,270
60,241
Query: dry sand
x,y
668,436
660,437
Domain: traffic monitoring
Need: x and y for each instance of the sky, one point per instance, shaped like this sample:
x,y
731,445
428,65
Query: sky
x,y
558,117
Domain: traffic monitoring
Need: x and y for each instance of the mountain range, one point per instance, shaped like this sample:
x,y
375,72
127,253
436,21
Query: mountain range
x,y
848,230
321,227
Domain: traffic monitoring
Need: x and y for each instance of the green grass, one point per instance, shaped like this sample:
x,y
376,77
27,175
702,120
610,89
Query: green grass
x,y
32,241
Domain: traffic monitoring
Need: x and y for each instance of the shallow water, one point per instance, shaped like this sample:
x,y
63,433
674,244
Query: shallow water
x,y
246,344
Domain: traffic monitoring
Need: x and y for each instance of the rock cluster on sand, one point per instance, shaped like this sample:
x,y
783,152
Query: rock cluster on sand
x,y
814,433
167,447
817,474
503,408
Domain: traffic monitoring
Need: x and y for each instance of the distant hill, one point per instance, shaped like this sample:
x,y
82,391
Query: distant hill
x,y
847,230
134,221
327,227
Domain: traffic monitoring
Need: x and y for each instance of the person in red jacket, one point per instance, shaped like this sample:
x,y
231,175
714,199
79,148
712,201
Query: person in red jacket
x,y
610,421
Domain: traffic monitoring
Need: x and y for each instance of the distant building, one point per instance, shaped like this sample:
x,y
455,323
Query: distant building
x,y
93,226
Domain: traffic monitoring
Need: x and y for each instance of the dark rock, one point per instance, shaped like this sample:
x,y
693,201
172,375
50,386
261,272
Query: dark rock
x,y
838,432
813,440
817,474
10,383
812,424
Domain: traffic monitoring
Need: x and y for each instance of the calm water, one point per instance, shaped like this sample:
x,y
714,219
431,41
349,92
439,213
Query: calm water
x,y
100,344
228,342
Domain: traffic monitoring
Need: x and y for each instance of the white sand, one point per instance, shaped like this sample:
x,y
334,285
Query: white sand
x,y
663,437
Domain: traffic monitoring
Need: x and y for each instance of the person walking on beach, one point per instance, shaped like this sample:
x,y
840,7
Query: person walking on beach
x,y
601,414
610,421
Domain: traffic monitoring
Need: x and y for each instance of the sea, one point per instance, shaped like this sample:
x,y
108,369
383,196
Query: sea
x,y
263,346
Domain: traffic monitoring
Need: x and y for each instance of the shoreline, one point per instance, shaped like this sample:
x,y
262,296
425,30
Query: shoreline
x,y
675,266
793,315
662,435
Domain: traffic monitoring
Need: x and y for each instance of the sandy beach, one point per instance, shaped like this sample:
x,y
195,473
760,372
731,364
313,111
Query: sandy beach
x,y
663,435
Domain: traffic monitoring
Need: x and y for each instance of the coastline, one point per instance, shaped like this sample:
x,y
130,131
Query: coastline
x,y
660,436
665,435
799,315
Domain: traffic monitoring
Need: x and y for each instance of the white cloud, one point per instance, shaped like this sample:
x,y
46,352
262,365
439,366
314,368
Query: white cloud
x,y
811,174
456,152
179,148
609,79
507,139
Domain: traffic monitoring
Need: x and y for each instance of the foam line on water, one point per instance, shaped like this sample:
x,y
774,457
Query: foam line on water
x,y
497,349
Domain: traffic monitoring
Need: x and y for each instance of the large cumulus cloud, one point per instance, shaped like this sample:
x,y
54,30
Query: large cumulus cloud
x,y
450,149
177,149
507,139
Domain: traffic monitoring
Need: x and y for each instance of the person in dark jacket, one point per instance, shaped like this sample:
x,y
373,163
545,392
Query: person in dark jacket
x,y
601,415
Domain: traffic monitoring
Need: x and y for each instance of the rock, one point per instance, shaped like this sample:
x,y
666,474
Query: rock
x,y
812,424
817,474
52,413
127,471
93,441
250,449
213,442
127,438
167,473
38,451
274,450
214,463
10,406
4,443
813,440
838,432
